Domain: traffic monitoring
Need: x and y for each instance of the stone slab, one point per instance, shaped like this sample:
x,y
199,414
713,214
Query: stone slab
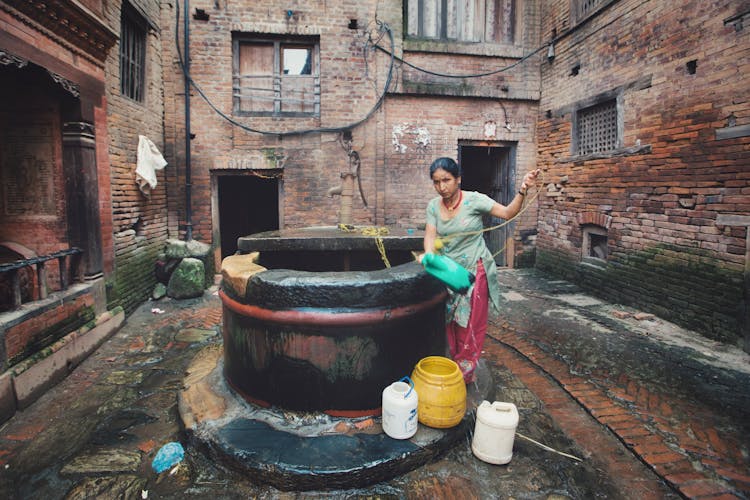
x,y
306,450
31,380
329,238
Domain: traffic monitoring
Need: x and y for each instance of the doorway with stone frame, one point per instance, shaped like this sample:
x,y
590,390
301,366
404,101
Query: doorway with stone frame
x,y
247,202
489,168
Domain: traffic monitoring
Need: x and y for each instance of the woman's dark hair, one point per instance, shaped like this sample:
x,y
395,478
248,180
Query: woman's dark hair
x,y
447,164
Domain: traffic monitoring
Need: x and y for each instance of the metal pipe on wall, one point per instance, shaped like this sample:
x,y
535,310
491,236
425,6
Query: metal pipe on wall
x,y
188,184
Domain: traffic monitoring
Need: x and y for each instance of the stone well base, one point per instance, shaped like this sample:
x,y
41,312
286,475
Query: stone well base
x,y
306,450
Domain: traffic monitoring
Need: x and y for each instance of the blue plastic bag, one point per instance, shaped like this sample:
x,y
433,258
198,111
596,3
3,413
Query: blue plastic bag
x,y
168,455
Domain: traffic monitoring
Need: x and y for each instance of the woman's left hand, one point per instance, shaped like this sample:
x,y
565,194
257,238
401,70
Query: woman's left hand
x,y
529,179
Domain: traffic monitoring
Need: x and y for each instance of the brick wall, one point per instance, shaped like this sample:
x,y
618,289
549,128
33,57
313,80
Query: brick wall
x,y
312,163
42,330
680,89
447,122
353,74
138,224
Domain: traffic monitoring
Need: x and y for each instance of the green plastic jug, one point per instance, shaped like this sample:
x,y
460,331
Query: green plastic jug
x,y
448,271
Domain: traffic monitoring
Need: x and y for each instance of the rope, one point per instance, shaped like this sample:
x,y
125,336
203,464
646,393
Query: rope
x,y
377,232
374,232
525,205
544,446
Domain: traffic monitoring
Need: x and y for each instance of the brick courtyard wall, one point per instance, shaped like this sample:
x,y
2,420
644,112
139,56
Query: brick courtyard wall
x,y
432,113
353,74
677,70
26,338
427,127
139,223
311,163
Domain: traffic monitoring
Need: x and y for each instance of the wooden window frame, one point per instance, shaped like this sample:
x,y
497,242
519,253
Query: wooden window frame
x,y
488,17
278,43
615,99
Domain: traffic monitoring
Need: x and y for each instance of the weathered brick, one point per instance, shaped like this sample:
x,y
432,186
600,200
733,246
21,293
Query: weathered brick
x,y
645,192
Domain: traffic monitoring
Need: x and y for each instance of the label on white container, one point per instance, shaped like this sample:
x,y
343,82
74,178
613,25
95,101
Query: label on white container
x,y
400,410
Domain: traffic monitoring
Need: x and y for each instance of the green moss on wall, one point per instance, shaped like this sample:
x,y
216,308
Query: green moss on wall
x,y
53,333
527,258
134,278
685,286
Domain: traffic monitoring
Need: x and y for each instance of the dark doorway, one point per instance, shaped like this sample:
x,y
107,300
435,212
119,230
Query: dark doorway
x,y
248,204
490,170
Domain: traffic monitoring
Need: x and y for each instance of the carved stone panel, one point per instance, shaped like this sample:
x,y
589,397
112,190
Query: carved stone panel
x,y
27,166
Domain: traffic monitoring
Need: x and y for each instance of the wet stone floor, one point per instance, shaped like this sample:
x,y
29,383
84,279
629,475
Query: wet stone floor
x,y
95,434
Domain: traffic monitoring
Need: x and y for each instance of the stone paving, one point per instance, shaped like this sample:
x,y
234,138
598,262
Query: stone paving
x,y
652,410
679,402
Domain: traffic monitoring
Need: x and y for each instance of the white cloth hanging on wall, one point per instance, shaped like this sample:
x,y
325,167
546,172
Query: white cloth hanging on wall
x,y
149,161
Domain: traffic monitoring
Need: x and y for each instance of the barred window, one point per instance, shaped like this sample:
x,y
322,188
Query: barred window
x,y
584,8
132,53
597,128
490,21
276,76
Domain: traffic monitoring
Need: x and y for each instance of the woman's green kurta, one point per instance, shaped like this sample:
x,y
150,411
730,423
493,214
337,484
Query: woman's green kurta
x,y
466,249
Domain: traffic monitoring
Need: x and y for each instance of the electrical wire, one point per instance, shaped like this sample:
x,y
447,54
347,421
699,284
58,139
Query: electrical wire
x,y
471,75
382,27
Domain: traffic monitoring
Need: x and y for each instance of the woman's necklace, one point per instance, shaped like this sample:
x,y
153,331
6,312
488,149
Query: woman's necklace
x,y
453,207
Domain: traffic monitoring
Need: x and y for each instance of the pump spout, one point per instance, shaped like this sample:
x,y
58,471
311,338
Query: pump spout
x,y
334,190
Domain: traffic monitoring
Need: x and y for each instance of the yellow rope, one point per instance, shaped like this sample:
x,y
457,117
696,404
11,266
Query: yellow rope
x,y
375,232
381,249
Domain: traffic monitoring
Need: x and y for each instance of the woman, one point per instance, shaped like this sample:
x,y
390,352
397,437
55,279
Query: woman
x,y
450,217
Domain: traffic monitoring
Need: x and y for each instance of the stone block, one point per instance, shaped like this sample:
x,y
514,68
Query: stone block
x,y
33,377
187,280
160,291
236,270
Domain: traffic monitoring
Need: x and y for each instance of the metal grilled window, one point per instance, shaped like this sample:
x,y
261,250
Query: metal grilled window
x,y
597,128
132,54
274,76
583,8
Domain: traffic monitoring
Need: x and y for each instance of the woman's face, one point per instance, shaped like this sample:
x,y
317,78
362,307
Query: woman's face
x,y
445,184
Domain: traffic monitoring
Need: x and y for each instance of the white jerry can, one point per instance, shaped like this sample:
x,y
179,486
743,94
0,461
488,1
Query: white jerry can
x,y
400,409
494,432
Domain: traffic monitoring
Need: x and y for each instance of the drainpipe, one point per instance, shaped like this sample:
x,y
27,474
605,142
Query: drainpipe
x,y
188,185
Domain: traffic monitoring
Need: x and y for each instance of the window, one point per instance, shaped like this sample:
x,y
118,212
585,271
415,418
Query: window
x,y
594,242
584,8
132,53
276,76
596,128
491,21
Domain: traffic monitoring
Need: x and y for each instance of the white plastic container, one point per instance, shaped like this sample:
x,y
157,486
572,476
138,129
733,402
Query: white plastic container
x,y
400,409
494,432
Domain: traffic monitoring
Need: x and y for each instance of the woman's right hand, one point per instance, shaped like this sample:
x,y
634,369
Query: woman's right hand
x,y
529,179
